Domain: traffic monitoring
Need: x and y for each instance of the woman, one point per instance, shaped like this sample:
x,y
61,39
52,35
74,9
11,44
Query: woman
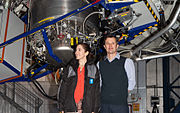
x,y
80,85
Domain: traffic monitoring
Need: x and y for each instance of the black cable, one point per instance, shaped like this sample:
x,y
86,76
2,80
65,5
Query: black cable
x,y
42,88
37,84
43,93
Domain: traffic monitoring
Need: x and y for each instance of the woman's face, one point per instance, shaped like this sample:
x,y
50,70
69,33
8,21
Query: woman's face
x,y
80,52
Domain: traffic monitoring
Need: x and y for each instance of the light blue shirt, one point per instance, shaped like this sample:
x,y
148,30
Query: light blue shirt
x,y
130,71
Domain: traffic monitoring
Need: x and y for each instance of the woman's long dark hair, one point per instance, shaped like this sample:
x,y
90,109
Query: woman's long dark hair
x,y
86,47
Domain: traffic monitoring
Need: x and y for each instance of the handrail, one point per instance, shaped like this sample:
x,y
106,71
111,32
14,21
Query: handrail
x,y
13,103
18,94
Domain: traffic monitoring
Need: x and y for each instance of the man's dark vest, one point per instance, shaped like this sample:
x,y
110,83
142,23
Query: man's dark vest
x,y
114,88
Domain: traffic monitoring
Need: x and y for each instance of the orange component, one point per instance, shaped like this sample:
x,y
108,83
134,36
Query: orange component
x,y
23,49
5,35
120,38
22,58
57,74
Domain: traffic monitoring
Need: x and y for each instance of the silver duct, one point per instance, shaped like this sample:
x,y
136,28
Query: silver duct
x,y
173,18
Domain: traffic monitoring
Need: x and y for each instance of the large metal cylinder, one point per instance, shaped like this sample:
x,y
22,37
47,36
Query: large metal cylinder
x,y
42,9
46,10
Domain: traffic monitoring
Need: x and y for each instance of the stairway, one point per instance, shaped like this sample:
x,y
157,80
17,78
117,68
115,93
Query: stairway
x,y
15,98
8,105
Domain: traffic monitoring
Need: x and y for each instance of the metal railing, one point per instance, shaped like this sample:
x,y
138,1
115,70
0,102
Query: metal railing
x,y
20,98
7,105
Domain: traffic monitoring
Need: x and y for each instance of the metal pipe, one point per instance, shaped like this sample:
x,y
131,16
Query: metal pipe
x,y
173,18
157,56
6,3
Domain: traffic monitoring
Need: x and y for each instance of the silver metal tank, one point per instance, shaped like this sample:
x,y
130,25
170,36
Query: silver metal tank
x,y
42,9
45,10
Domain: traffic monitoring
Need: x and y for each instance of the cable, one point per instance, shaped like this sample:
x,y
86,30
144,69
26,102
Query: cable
x,y
43,92
117,30
37,84
177,36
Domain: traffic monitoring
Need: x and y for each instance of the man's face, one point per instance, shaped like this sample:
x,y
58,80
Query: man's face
x,y
111,45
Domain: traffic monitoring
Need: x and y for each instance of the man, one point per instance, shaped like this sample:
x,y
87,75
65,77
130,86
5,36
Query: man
x,y
118,78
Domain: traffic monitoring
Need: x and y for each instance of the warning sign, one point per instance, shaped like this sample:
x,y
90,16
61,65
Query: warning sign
x,y
136,106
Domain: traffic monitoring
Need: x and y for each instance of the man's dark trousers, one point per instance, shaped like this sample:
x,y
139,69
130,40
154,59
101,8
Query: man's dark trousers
x,y
110,108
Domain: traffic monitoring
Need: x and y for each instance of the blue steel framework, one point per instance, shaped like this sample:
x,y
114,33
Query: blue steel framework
x,y
23,35
74,12
49,46
41,28
168,87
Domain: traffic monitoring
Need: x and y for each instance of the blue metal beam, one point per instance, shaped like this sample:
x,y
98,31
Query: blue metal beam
x,y
24,78
112,6
11,67
175,81
176,109
38,70
42,74
166,84
175,93
48,45
175,87
74,12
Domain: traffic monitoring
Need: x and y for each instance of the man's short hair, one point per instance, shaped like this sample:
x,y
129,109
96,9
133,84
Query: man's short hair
x,y
110,36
